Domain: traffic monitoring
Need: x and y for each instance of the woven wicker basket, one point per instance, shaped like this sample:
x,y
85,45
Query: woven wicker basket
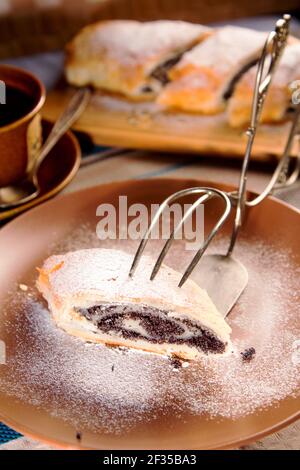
x,y
30,26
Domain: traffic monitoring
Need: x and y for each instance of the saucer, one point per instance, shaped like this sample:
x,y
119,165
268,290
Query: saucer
x,y
56,172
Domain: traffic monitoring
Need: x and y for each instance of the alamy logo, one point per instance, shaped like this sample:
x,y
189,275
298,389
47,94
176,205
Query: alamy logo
x,y
2,92
2,353
130,222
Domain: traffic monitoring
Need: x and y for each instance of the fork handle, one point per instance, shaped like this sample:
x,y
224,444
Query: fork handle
x,y
274,47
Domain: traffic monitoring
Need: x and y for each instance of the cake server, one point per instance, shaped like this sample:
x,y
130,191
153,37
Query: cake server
x,y
223,276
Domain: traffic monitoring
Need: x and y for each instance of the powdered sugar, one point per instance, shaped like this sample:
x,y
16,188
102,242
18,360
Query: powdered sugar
x,y
229,47
131,42
94,387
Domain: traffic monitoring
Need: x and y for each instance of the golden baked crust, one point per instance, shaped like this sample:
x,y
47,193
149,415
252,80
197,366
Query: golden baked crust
x,y
120,56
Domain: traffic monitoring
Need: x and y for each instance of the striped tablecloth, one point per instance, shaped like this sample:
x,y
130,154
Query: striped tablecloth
x,y
137,165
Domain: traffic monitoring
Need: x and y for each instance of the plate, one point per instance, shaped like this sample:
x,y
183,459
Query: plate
x,y
56,172
57,389
112,120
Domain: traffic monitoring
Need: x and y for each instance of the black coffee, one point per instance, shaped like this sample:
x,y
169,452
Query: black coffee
x,y
18,104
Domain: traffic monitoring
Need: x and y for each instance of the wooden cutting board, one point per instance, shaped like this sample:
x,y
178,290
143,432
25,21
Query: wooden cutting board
x,y
115,121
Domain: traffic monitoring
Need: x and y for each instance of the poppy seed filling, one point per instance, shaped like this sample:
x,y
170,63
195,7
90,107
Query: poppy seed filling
x,y
142,322
161,71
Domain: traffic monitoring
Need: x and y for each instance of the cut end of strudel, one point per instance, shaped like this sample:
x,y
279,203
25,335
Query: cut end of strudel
x,y
91,296
279,97
129,57
206,75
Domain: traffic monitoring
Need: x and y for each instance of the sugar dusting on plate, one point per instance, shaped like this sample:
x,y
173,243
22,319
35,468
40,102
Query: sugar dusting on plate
x,y
112,390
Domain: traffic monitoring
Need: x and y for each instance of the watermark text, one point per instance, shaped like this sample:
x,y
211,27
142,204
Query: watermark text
x,y
130,222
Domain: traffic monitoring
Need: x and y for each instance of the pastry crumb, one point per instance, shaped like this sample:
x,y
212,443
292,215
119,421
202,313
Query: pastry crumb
x,y
23,287
248,354
176,363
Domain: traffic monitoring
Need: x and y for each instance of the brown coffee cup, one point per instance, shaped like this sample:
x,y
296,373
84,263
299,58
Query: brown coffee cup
x,y
22,96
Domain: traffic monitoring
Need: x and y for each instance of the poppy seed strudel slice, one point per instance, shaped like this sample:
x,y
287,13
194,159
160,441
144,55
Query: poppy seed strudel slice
x,y
91,296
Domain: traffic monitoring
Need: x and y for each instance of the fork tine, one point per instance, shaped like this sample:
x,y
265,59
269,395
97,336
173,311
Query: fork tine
x,y
168,243
145,238
164,204
212,234
207,194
